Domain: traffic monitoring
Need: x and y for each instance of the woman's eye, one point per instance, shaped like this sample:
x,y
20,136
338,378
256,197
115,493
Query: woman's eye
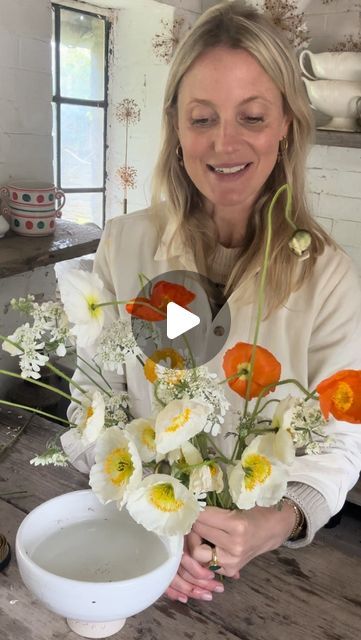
x,y
254,119
200,122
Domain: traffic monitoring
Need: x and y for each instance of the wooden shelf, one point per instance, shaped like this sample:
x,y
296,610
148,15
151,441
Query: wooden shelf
x,y
19,254
338,138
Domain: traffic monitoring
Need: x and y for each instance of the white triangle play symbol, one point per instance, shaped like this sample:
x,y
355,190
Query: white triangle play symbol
x,y
179,320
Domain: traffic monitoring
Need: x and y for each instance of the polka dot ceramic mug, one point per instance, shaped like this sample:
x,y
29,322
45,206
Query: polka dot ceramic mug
x,y
33,207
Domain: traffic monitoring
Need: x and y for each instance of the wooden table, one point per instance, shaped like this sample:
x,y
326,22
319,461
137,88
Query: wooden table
x,y
312,593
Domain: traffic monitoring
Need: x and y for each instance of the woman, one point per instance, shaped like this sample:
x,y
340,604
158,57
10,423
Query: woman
x,y
237,125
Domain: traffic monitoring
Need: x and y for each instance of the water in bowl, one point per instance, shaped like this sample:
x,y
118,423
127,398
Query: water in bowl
x,y
100,550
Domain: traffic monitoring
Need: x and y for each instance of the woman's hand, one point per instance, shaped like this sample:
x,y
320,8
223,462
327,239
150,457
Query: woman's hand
x,y
239,536
193,580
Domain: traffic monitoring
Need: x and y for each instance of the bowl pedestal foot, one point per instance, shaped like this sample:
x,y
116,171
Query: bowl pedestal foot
x,y
95,629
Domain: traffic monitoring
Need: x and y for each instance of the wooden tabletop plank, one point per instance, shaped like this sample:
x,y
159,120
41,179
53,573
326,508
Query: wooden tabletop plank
x,y
70,240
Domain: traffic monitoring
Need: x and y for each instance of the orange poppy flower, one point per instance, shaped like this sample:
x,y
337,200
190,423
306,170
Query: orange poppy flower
x,y
143,311
176,362
267,369
164,292
340,395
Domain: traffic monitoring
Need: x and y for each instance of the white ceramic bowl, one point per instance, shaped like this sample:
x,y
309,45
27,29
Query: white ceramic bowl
x,y
110,566
339,99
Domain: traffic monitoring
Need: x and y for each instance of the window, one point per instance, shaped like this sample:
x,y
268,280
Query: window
x,y
80,73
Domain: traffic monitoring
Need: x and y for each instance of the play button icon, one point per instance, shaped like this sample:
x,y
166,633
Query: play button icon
x,y
179,320
180,311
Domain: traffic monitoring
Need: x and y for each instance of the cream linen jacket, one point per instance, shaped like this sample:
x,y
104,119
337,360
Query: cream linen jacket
x,y
315,334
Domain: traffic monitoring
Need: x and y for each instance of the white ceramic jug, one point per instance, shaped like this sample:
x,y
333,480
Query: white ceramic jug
x,y
335,65
339,99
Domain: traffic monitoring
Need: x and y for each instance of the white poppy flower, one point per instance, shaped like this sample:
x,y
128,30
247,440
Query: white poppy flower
x,y
258,478
178,422
284,447
164,505
143,434
80,292
191,454
206,478
118,468
89,419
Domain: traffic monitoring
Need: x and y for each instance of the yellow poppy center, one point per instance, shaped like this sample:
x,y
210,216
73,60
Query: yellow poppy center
x,y
179,421
89,412
213,470
148,438
92,303
257,469
118,466
162,498
343,396
243,370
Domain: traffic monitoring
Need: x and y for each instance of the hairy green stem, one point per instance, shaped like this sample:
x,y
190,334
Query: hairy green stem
x,y
262,285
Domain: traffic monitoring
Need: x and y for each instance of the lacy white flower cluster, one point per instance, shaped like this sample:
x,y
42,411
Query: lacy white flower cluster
x,y
182,383
117,343
34,343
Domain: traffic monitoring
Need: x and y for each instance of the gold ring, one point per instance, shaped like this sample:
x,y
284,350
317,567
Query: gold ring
x,y
214,563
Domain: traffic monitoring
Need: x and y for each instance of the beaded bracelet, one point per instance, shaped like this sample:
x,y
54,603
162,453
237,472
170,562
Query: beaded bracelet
x,y
300,519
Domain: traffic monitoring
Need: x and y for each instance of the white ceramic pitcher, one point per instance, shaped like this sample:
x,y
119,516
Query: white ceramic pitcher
x,y
334,65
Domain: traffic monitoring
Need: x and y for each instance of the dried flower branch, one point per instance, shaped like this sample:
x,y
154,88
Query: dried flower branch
x,y
349,43
285,15
165,43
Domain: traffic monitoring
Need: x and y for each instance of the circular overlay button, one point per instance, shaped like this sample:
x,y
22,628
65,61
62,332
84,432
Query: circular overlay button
x,y
180,310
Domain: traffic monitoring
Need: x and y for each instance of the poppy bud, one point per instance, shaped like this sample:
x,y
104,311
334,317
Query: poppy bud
x,y
300,243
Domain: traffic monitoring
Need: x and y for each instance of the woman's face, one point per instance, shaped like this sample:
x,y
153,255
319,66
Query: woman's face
x,y
230,121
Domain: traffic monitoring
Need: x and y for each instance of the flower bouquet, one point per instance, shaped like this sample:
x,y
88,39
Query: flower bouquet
x,y
165,467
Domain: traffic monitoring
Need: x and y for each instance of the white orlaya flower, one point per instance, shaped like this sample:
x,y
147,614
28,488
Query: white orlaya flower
x,y
258,478
89,418
164,505
206,478
143,434
284,447
80,292
118,468
179,421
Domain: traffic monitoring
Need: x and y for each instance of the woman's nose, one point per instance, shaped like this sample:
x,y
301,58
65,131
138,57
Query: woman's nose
x,y
227,137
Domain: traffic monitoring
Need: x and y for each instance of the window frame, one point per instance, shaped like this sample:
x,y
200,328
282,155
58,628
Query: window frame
x,y
58,100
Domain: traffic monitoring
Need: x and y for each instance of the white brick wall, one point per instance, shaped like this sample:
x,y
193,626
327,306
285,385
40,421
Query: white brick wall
x,y
26,90
334,185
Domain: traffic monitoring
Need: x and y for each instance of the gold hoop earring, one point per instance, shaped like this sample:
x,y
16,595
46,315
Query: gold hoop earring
x,y
179,154
282,151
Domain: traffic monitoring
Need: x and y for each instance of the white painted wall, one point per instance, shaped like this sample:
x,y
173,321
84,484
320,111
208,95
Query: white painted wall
x,y
25,132
26,90
136,73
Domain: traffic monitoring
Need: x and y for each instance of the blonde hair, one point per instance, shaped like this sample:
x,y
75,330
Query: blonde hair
x,y
238,26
